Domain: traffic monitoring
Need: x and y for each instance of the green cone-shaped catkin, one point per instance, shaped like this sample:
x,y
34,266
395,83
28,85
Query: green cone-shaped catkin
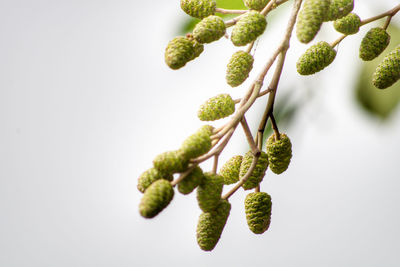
x,y
316,58
216,108
209,191
279,153
156,197
190,182
310,19
374,42
230,170
171,162
248,28
388,71
256,4
239,67
179,51
211,224
258,211
349,24
209,29
198,47
199,8
150,176
258,174
338,9
198,143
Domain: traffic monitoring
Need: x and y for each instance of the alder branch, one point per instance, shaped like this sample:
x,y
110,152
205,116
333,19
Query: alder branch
x,y
230,11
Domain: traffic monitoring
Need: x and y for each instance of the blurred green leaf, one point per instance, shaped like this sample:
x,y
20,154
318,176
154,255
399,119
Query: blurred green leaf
x,y
380,103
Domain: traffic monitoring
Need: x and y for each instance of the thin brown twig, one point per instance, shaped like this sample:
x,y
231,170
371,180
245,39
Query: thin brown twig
x,y
248,134
230,11
183,175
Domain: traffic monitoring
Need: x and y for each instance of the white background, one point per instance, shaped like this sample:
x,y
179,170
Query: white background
x,y
86,102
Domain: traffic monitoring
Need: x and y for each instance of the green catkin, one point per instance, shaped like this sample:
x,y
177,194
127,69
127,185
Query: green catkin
x,y
310,19
198,143
191,181
238,68
198,47
209,191
258,211
374,43
316,58
349,24
199,8
150,176
279,153
248,28
338,9
209,29
259,171
179,51
256,4
388,71
156,197
211,224
171,162
216,108
230,170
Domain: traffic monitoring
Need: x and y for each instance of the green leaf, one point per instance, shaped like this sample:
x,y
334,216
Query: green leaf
x,y
380,103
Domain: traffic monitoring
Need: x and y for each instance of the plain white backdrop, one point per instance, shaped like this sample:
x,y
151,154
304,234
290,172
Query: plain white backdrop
x,y
86,102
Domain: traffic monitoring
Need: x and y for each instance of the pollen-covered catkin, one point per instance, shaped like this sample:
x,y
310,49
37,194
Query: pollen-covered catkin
x,y
388,71
248,28
191,181
216,108
349,24
156,197
209,191
198,143
279,153
258,173
238,68
230,170
171,162
256,4
338,9
211,224
258,211
316,58
374,43
179,51
150,176
209,29
199,8
310,19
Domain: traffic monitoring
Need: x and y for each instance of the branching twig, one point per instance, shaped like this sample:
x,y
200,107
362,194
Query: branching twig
x,y
230,11
249,136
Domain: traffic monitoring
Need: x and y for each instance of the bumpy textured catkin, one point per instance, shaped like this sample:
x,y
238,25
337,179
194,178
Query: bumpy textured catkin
x,y
156,197
256,4
199,8
310,19
248,28
230,170
279,153
150,176
238,68
374,43
316,58
198,143
349,24
211,224
179,51
209,29
258,211
171,162
338,9
259,171
191,181
209,191
198,47
388,71
216,108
